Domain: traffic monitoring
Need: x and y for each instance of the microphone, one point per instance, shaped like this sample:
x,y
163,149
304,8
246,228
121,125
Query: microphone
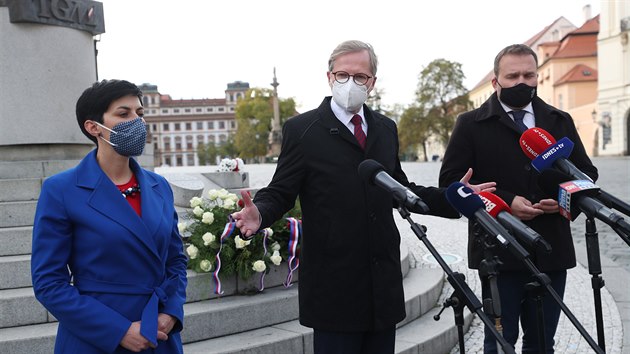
x,y
498,209
374,173
545,152
577,195
471,206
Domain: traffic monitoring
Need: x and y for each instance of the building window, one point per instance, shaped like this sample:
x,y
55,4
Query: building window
x,y
167,144
177,127
188,126
164,111
232,124
199,125
154,127
221,125
189,142
211,139
199,139
221,109
187,110
210,125
176,110
167,160
198,110
165,127
209,109
179,160
178,143
190,159
231,109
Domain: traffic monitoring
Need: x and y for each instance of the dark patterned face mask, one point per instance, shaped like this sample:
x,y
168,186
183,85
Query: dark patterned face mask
x,y
127,138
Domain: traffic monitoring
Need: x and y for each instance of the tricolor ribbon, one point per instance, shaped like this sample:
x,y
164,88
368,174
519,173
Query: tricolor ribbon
x,y
293,262
262,275
227,231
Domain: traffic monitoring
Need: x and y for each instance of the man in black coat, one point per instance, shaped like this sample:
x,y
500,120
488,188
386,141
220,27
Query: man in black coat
x,y
350,281
487,139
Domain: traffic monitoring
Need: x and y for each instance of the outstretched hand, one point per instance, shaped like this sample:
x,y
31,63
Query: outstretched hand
x,y
248,219
483,187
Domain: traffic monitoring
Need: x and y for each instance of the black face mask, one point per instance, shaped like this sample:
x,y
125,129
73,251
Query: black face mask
x,y
517,96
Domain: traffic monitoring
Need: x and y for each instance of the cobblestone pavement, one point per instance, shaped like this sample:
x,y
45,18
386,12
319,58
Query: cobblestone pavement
x,y
449,238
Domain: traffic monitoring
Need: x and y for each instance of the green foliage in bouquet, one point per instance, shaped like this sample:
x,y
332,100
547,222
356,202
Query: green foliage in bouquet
x,y
202,227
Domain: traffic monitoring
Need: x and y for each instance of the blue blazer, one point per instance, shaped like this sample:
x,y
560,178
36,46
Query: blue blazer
x,y
97,266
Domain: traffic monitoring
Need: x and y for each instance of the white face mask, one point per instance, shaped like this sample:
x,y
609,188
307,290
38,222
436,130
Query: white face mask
x,y
349,96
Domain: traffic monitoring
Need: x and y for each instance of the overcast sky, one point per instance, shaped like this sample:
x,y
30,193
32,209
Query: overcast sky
x,y
193,48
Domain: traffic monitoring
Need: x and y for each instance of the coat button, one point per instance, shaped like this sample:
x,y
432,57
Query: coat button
x,y
528,167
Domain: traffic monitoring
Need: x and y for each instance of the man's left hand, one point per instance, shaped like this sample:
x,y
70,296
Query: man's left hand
x,y
549,206
483,187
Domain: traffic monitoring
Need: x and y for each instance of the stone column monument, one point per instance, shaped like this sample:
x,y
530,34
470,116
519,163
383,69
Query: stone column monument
x,y
47,59
275,135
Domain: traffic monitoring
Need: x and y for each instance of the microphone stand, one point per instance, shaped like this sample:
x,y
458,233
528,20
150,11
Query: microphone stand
x,y
488,273
595,269
462,294
542,280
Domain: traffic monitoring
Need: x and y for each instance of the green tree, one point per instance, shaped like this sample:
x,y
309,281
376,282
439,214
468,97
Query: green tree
x,y
254,114
413,130
227,149
441,95
207,154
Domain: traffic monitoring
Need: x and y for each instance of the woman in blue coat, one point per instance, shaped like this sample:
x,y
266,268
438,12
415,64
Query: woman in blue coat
x,y
107,257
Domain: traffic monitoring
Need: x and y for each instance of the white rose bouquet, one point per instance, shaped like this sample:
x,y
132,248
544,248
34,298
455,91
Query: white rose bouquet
x,y
202,229
231,165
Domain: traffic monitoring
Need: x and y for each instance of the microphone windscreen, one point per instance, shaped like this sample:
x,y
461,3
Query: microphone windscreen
x,y
463,199
549,181
534,141
494,204
368,169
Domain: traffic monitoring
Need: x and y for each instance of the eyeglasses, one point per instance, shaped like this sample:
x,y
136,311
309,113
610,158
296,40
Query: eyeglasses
x,y
360,79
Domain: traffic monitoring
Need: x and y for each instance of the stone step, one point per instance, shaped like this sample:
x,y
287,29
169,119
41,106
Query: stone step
x,y
15,214
217,317
422,335
19,307
23,189
200,287
15,272
34,169
15,240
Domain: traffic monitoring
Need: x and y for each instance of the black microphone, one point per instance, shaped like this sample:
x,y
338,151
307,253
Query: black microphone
x,y
574,196
471,206
374,173
496,207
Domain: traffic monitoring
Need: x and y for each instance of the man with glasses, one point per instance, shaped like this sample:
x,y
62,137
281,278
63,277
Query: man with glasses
x,y
350,281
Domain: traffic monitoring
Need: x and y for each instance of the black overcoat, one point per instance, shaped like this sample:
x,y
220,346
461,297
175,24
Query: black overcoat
x,y
487,140
349,276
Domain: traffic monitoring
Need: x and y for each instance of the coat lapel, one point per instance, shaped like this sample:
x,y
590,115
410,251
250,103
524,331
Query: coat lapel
x,y
334,125
107,200
375,129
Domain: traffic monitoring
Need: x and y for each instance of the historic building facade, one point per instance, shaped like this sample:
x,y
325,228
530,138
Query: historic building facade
x,y
613,111
178,127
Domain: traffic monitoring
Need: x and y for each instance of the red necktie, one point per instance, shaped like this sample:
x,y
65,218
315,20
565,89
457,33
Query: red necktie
x,y
358,130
